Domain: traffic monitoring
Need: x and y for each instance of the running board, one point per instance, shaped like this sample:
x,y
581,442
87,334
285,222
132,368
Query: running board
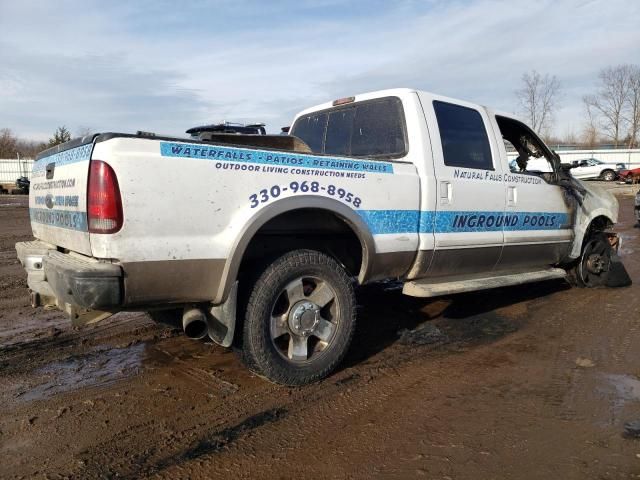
x,y
430,287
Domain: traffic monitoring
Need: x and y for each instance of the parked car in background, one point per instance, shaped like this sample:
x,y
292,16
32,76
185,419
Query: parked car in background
x,y
592,168
630,176
22,185
637,207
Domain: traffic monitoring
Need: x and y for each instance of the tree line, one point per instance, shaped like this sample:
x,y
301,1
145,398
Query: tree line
x,y
13,147
612,111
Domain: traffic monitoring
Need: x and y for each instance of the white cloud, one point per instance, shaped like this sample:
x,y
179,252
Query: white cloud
x,y
153,66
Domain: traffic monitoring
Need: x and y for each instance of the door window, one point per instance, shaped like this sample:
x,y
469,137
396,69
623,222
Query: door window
x,y
533,157
463,136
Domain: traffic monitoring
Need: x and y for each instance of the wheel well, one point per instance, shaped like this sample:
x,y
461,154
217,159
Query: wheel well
x,y
598,224
311,228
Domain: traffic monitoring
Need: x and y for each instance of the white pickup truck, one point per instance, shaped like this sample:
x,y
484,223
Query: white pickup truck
x,y
592,168
259,240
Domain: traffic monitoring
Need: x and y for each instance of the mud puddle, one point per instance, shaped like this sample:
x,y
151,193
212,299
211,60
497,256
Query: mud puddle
x,y
620,391
195,362
95,369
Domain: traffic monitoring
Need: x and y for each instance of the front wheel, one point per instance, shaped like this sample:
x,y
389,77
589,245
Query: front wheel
x,y
592,269
299,319
608,175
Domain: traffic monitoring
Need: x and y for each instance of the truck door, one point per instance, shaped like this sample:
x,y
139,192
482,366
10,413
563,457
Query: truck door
x,y
539,215
470,193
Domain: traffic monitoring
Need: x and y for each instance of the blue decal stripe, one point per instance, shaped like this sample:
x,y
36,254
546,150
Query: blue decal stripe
x,y
275,158
415,221
60,218
391,221
78,154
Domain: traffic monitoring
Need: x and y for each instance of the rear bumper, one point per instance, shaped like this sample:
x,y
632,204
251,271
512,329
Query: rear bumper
x,y
69,280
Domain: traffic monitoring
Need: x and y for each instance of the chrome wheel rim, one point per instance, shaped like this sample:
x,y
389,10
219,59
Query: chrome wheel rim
x,y
304,319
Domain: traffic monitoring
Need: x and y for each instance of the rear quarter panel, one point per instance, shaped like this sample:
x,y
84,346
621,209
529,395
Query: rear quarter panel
x,y
192,202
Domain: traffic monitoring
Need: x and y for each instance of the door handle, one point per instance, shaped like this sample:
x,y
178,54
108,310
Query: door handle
x,y
445,193
512,196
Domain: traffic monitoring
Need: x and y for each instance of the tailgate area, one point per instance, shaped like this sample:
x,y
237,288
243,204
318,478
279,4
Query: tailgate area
x,y
69,280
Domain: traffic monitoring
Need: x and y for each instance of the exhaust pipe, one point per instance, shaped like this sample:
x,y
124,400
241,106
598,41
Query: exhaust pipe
x,y
194,323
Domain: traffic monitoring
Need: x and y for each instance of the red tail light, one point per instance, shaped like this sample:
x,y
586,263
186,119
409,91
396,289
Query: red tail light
x,y
104,204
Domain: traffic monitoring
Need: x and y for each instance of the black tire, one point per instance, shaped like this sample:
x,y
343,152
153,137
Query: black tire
x,y
592,268
299,318
608,175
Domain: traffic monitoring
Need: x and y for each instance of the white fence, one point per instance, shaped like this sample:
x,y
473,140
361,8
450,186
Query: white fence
x,y
11,169
630,157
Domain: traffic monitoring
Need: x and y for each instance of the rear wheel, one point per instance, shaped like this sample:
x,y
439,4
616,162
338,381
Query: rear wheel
x,y
299,319
592,269
608,175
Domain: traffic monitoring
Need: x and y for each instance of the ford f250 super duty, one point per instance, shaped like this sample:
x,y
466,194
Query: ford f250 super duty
x,y
258,241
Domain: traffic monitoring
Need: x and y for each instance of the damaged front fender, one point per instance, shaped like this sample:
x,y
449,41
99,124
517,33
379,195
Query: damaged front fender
x,y
596,203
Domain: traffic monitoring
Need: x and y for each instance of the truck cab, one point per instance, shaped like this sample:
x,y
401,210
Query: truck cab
x,y
475,213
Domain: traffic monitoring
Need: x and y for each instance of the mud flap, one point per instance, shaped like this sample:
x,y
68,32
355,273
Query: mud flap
x,y
222,319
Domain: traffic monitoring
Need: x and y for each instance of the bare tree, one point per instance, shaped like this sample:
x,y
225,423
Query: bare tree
x,y
8,143
611,100
538,99
633,100
590,131
570,137
12,146
30,148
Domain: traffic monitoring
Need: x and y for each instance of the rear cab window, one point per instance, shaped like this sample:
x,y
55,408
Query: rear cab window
x,y
369,128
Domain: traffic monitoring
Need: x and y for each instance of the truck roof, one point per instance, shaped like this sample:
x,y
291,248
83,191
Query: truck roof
x,y
399,92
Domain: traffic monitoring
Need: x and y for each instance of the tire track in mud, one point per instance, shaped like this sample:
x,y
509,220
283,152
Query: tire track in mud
x,y
344,408
335,391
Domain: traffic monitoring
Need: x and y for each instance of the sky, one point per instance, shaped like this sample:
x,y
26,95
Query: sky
x,y
166,66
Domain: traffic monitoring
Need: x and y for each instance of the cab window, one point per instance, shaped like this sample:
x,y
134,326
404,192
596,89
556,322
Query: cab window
x,y
310,128
463,136
371,128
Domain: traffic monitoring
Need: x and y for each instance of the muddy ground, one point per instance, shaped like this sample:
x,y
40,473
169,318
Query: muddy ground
x,y
526,382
